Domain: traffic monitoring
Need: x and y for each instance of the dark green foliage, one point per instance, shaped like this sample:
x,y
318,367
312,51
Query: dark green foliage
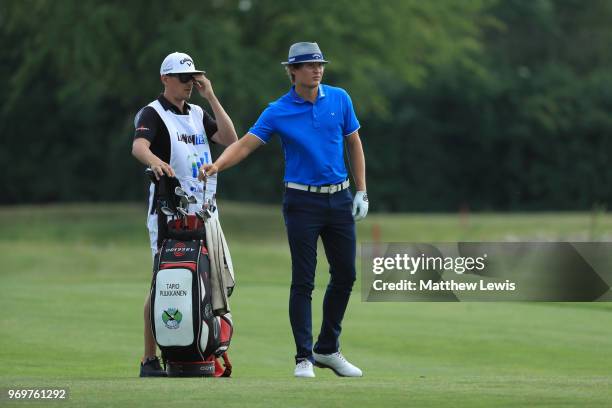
x,y
479,105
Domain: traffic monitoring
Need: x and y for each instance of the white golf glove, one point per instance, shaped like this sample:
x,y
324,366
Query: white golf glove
x,y
360,205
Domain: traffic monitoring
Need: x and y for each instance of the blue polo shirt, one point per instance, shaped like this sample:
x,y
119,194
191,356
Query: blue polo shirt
x,y
312,134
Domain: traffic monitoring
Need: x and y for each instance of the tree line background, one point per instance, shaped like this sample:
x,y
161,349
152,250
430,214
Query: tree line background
x,y
479,104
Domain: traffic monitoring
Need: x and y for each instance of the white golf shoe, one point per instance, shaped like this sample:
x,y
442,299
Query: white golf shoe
x,y
337,363
304,369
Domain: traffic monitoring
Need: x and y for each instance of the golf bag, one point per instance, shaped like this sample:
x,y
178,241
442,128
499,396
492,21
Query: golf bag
x,y
190,333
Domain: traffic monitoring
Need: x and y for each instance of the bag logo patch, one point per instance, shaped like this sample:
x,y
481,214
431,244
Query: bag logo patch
x,y
179,249
172,318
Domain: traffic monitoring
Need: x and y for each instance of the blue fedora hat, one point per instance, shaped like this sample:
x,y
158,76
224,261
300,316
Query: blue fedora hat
x,y
304,52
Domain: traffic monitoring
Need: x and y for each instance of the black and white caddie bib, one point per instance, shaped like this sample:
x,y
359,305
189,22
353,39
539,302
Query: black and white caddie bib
x,y
189,150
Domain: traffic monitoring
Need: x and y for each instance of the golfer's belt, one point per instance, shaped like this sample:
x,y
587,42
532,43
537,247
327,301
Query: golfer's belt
x,y
329,189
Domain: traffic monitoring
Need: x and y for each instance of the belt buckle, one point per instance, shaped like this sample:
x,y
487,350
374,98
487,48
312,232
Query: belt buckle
x,y
333,189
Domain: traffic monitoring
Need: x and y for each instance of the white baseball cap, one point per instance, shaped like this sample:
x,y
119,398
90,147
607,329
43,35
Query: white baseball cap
x,y
178,63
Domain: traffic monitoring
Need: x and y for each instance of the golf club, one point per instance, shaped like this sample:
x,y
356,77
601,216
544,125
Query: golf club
x,y
183,208
167,211
201,215
184,214
180,192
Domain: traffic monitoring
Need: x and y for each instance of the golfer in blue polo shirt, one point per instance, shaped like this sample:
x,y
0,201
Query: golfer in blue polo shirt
x,y
313,121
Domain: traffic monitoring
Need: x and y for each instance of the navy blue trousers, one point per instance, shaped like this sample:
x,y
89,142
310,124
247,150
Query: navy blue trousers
x,y
309,216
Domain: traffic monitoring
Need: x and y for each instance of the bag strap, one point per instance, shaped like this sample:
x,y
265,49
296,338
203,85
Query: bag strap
x,y
224,370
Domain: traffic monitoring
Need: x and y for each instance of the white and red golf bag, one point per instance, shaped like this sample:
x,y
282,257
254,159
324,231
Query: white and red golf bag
x,y
190,315
190,335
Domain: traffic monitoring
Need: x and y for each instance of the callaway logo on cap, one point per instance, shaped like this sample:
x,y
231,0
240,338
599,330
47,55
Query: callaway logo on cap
x,y
178,63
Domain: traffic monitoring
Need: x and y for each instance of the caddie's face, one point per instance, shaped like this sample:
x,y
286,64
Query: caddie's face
x,y
176,88
309,74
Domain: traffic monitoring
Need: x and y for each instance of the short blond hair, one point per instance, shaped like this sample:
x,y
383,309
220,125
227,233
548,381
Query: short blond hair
x,y
288,70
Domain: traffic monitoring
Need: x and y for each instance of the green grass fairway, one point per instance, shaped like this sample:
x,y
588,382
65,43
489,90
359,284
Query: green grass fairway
x,y
74,278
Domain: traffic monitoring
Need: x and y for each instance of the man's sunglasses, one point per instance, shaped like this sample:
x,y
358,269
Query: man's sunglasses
x,y
184,77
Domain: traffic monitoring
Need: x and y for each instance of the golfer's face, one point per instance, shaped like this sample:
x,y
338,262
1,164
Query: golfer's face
x,y
309,74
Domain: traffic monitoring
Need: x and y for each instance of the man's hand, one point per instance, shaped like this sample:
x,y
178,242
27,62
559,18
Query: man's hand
x,y
141,150
160,168
207,170
203,86
360,205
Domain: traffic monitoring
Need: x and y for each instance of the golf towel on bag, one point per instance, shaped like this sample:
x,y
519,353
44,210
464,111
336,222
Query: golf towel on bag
x,y
190,334
222,269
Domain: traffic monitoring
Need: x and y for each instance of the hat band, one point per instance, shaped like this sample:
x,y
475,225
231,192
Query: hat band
x,y
306,57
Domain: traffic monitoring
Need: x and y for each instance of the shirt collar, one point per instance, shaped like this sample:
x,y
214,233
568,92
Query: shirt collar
x,y
295,97
167,105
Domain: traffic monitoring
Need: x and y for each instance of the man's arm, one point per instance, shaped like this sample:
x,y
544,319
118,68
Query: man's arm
x,y
141,150
234,154
225,134
357,159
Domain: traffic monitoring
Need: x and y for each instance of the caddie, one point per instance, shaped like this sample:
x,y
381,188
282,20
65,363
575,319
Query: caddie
x,y
172,138
314,122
